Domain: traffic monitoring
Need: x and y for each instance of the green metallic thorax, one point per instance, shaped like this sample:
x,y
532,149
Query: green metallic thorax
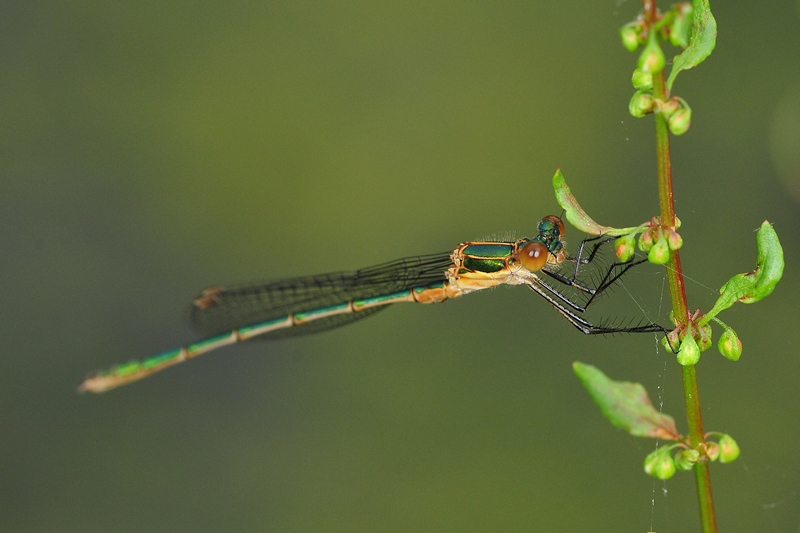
x,y
486,256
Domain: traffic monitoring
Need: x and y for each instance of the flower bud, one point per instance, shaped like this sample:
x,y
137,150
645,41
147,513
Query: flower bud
x,y
674,240
641,104
652,58
729,450
629,34
686,459
650,462
646,240
712,450
704,339
659,253
681,28
664,342
729,345
642,81
665,467
671,341
689,354
670,107
680,121
624,248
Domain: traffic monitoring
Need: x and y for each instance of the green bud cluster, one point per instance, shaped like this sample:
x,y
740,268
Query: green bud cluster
x,y
691,337
659,242
726,450
659,463
695,336
674,26
678,115
663,462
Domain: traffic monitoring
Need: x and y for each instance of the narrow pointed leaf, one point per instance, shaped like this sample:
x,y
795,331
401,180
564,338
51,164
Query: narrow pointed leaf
x,y
626,405
701,43
575,213
755,285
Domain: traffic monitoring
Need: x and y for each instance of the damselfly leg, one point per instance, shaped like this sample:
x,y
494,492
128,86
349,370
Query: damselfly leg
x,y
569,308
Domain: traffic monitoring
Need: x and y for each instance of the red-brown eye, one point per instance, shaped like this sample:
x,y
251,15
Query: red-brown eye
x,y
558,222
533,256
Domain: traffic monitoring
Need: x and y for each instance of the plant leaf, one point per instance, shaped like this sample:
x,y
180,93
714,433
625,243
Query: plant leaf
x,y
701,43
626,405
575,213
751,287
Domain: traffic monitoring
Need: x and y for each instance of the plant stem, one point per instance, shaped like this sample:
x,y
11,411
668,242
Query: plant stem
x,y
680,308
702,475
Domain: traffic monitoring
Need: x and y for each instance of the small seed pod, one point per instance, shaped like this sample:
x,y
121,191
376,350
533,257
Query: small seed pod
x,y
689,354
674,239
686,459
704,338
646,240
659,253
652,57
680,121
623,247
642,81
729,345
712,450
631,35
728,449
641,104
665,468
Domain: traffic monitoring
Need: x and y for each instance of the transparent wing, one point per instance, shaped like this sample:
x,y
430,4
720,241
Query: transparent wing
x,y
221,309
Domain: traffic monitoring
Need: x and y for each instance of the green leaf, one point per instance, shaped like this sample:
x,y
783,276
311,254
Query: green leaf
x,y
576,215
704,37
751,287
626,405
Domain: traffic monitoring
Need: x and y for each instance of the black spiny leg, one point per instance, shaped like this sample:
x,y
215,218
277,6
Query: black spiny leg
x,y
570,309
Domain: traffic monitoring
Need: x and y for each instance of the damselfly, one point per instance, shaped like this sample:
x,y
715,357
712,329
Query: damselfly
x,y
311,304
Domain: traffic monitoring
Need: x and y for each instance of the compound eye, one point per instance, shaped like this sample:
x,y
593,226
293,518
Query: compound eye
x,y
558,222
533,256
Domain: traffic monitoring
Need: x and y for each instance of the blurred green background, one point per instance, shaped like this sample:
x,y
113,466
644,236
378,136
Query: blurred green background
x,y
150,151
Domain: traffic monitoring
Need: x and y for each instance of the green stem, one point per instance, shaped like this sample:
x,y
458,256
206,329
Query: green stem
x,y
702,475
677,293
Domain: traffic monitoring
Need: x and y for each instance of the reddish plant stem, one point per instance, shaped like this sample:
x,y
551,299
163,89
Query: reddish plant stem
x,y
677,292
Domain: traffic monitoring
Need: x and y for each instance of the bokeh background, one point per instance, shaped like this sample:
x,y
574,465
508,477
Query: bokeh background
x,y
151,150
